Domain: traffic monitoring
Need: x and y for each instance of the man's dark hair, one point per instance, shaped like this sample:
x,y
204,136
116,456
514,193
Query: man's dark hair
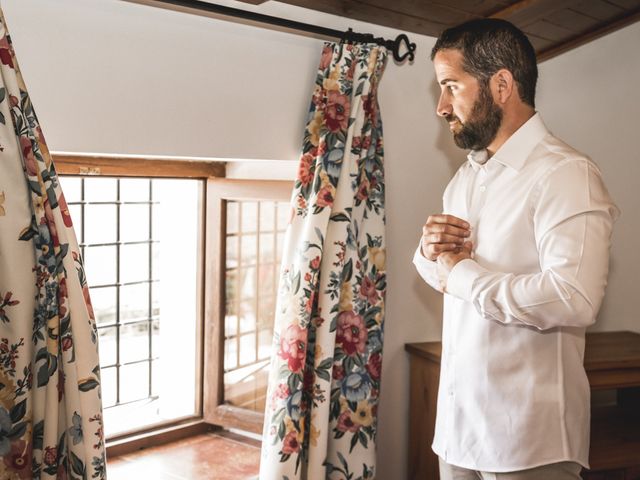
x,y
489,44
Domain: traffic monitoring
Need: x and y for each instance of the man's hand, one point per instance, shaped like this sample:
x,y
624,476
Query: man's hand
x,y
448,260
443,233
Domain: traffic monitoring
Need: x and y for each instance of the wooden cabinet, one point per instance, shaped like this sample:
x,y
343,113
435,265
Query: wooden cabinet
x,y
612,362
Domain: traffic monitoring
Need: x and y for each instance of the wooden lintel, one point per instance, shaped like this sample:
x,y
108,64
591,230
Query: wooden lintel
x,y
122,165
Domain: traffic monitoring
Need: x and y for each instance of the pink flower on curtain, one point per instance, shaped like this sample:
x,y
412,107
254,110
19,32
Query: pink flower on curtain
x,y
352,333
293,347
337,111
6,52
374,366
368,290
305,172
345,423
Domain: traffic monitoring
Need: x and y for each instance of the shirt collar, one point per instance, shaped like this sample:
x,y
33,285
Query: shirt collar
x,y
514,152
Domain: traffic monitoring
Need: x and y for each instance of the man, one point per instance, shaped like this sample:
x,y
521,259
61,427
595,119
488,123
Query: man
x,y
521,252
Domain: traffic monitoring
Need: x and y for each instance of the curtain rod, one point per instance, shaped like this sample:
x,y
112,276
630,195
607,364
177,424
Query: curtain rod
x,y
395,46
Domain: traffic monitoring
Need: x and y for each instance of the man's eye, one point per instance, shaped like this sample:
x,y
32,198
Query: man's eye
x,y
451,88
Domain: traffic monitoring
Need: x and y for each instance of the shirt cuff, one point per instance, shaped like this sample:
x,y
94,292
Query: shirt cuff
x,y
461,279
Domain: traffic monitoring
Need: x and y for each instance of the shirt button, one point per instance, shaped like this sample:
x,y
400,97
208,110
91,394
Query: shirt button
x,y
483,188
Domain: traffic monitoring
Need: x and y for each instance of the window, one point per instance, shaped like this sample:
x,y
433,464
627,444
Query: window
x,y
244,256
182,267
139,239
254,237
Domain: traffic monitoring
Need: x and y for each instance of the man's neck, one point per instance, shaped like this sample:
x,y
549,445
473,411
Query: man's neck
x,y
510,124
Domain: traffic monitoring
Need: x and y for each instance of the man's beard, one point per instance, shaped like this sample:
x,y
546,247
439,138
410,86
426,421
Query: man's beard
x,y
483,124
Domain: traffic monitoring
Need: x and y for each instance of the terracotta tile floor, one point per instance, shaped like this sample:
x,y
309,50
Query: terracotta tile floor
x,y
207,456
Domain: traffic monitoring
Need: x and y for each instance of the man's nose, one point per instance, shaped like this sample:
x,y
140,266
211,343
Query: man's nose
x,y
444,107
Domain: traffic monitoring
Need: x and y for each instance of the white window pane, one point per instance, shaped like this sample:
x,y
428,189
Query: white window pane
x,y
249,216
108,346
134,382
103,301
249,250
134,223
134,302
247,315
134,189
72,188
134,342
233,211
100,189
109,386
76,218
267,216
134,263
100,265
247,349
100,224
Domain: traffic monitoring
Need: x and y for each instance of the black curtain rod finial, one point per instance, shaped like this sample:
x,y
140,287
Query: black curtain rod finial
x,y
394,46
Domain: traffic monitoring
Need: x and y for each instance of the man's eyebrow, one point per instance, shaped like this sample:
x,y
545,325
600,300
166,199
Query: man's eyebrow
x,y
446,80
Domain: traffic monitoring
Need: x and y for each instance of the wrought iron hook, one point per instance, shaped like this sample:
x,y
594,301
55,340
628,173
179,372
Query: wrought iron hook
x,y
410,48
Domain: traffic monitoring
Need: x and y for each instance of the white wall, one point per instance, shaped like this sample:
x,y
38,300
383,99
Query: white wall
x,y
590,98
114,77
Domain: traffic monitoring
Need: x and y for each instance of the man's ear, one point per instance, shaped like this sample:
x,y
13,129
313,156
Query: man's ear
x,y
503,85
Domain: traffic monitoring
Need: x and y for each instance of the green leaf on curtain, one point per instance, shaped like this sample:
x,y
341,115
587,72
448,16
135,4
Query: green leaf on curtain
x,y
18,431
3,94
320,236
18,411
363,438
42,354
77,465
326,363
323,374
347,272
38,434
339,217
2,119
43,375
354,442
87,384
35,187
359,89
46,369
296,283
29,232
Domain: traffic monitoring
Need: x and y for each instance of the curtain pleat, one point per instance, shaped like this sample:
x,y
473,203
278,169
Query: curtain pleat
x,y
50,406
324,385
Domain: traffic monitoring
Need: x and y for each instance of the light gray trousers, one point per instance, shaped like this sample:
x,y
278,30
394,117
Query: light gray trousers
x,y
554,471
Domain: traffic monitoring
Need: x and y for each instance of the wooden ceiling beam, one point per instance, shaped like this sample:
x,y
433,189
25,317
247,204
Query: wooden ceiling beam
x,y
526,12
589,36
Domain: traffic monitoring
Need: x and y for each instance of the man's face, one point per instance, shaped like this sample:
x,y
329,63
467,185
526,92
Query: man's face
x,y
473,116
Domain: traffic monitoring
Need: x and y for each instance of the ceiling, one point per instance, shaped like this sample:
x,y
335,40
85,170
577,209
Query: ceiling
x,y
553,26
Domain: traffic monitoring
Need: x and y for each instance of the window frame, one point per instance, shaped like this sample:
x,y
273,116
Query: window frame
x,y
266,181
219,191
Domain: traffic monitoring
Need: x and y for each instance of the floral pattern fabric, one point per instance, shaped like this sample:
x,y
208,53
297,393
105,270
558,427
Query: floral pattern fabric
x,y
50,407
324,385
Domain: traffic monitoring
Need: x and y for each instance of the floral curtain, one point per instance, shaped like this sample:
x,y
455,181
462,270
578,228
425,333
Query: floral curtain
x,y
50,408
320,419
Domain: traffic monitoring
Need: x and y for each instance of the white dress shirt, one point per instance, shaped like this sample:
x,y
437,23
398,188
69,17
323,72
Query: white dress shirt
x,y
513,391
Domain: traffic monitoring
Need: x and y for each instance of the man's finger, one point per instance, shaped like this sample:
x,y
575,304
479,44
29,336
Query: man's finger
x,y
448,219
447,228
